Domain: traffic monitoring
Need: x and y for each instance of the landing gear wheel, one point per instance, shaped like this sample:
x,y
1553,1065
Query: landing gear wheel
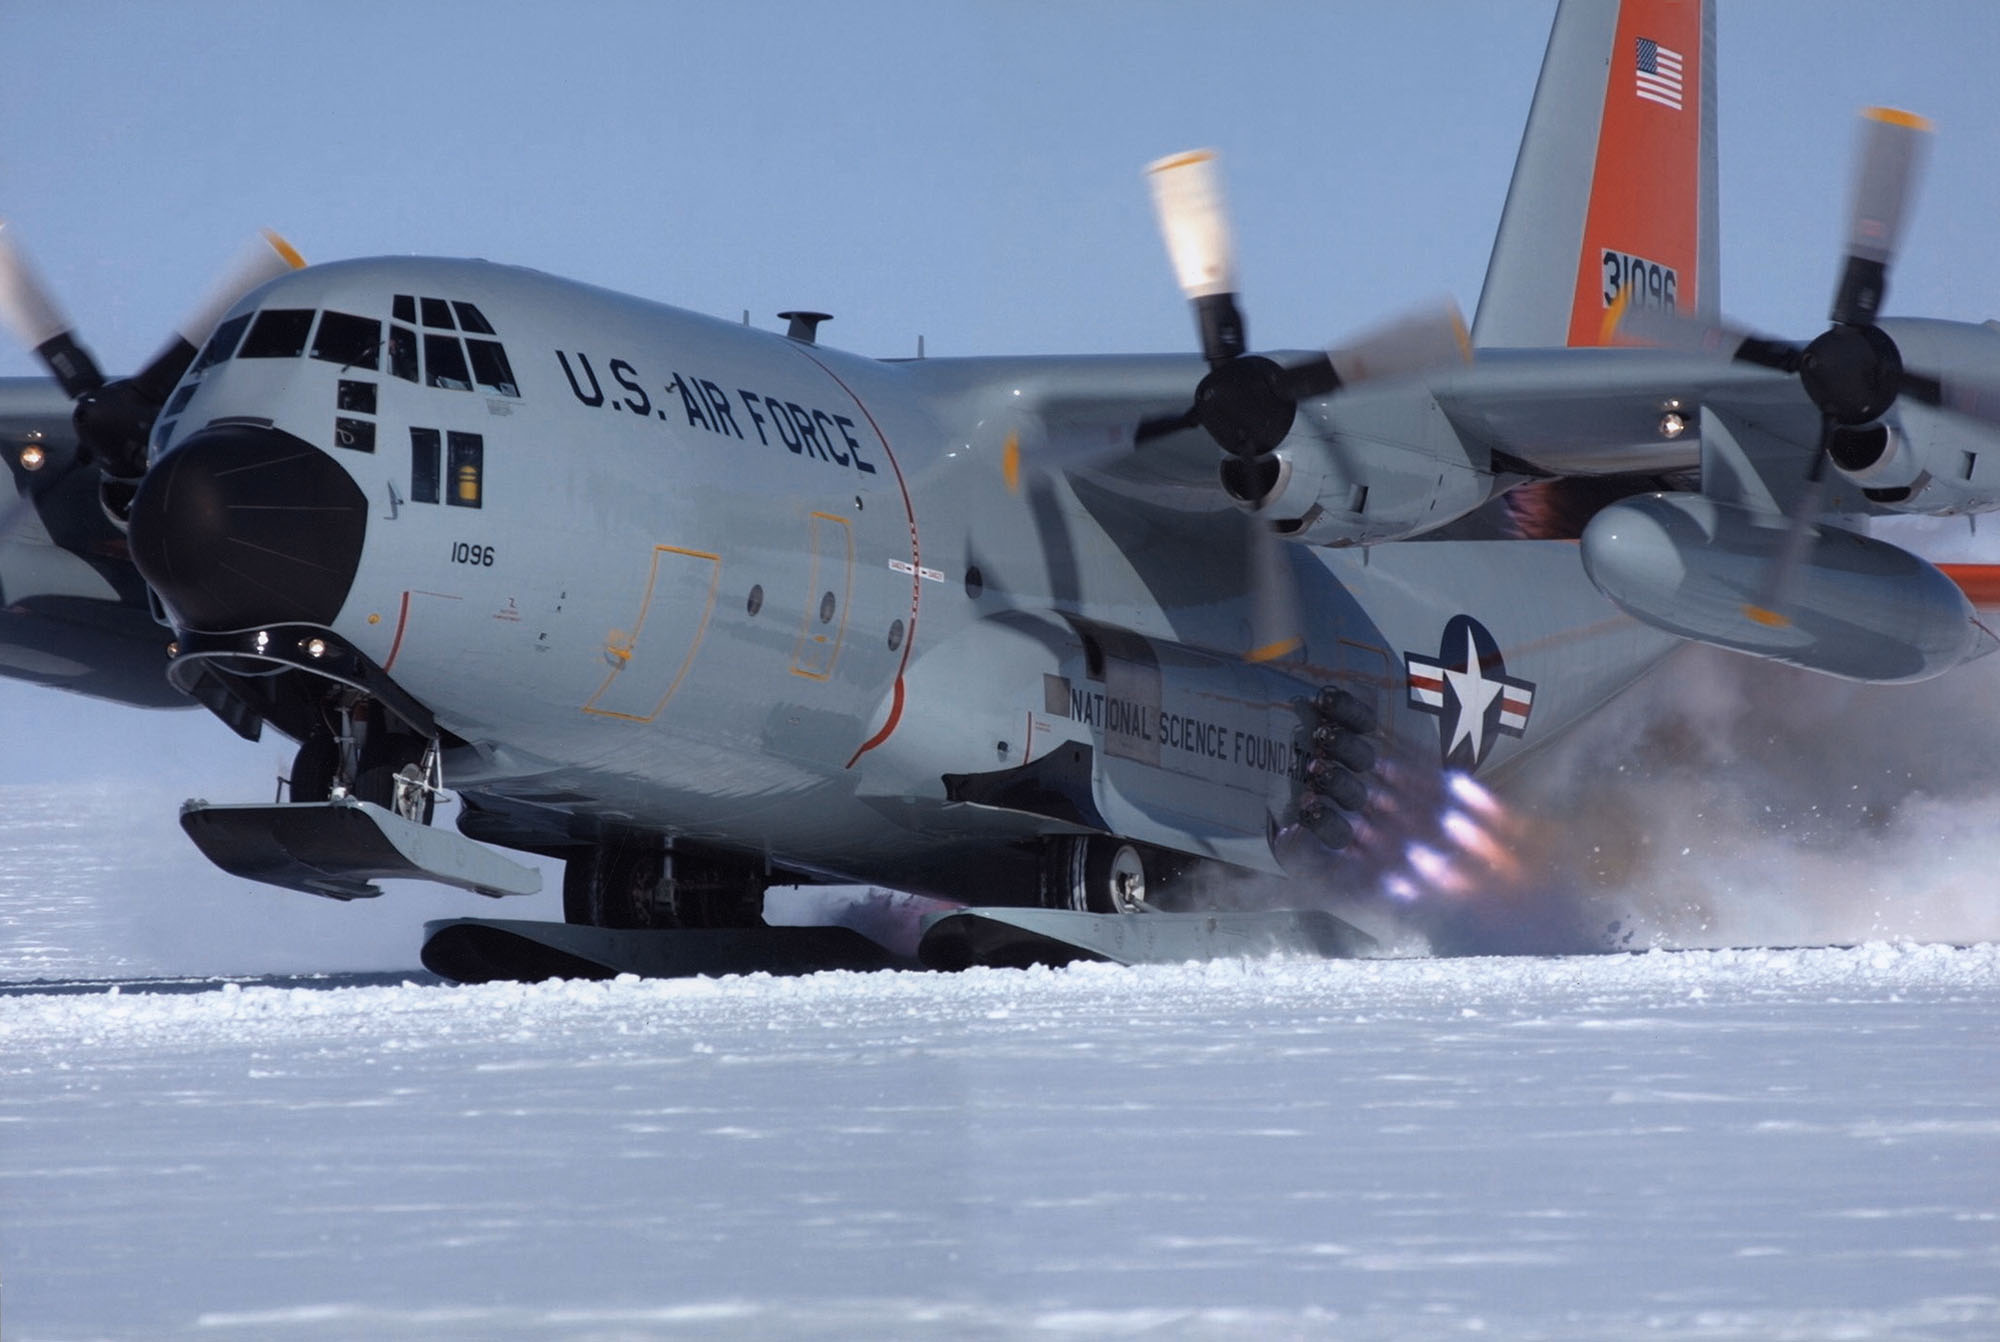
x,y
314,767
1115,874
1098,874
633,882
612,885
396,776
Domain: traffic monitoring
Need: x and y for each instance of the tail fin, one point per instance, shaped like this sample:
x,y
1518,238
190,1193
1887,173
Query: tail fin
x,y
1615,181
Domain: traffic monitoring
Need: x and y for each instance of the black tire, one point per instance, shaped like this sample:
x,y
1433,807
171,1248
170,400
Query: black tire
x,y
314,767
612,885
1098,874
715,889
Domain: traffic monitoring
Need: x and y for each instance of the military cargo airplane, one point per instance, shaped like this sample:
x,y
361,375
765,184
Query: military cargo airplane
x,y
698,608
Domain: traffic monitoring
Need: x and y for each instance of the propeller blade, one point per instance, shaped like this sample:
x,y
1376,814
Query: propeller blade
x,y
1274,597
1187,197
1672,329
260,261
1036,449
1420,341
1889,157
1774,600
30,310
1976,400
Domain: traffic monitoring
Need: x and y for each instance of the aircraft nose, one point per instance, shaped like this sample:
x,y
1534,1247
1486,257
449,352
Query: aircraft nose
x,y
245,525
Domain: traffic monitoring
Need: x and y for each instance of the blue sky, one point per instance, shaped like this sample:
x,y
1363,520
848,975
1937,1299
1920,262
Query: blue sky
x,y
970,172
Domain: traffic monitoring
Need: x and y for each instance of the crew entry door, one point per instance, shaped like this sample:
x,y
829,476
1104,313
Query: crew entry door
x,y
647,660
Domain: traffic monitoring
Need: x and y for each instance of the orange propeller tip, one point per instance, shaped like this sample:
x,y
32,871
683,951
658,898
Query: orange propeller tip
x,y
1010,462
1271,652
1181,160
1614,316
1895,116
1770,619
288,253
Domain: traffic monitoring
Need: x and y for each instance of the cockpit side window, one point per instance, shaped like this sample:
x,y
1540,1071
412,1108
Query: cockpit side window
x,y
404,309
279,333
472,319
490,367
222,344
444,362
403,353
438,313
350,341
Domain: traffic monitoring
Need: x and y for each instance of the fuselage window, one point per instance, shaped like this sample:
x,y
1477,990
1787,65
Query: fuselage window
x,y
438,313
425,451
403,353
350,341
490,367
279,333
444,362
355,434
222,344
404,309
468,468
472,319
180,399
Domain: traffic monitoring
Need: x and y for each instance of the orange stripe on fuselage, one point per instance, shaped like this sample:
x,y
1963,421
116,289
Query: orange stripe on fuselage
x,y
1645,188
1979,582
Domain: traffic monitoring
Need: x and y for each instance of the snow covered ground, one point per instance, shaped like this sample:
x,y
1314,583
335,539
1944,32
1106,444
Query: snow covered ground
x,y
1682,1145
1700,1144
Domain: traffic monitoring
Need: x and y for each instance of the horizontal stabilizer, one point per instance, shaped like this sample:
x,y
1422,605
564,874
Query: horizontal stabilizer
x,y
339,848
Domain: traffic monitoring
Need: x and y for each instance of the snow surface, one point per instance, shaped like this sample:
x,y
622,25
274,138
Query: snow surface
x,y
1705,1144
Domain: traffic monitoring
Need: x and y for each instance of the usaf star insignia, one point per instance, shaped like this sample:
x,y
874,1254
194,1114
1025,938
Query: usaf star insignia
x,y
1468,689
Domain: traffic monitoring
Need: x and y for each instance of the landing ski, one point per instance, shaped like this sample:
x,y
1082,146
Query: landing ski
x,y
483,950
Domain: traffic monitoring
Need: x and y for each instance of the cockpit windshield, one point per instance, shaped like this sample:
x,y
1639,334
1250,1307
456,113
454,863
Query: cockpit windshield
x,y
457,352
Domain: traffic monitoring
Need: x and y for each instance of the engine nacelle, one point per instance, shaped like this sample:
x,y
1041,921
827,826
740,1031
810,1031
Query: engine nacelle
x,y
1923,462
1374,467
1861,608
1920,459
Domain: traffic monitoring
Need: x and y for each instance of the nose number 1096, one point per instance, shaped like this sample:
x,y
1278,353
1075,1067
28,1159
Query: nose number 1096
x,y
480,556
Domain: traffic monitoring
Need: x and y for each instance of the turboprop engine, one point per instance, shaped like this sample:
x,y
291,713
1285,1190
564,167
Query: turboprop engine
x,y
1861,609
1938,461
1371,466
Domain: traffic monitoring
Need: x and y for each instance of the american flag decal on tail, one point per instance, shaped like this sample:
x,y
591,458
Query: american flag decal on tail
x,y
1658,74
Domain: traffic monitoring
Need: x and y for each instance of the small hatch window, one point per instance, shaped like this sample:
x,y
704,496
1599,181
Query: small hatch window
x,y
355,434
468,466
490,367
350,341
438,313
444,362
472,319
426,449
280,333
222,344
403,353
404,309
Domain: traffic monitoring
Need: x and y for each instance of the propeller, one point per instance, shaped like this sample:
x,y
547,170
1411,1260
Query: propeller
x,y
1852,372
1248,403
114,418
